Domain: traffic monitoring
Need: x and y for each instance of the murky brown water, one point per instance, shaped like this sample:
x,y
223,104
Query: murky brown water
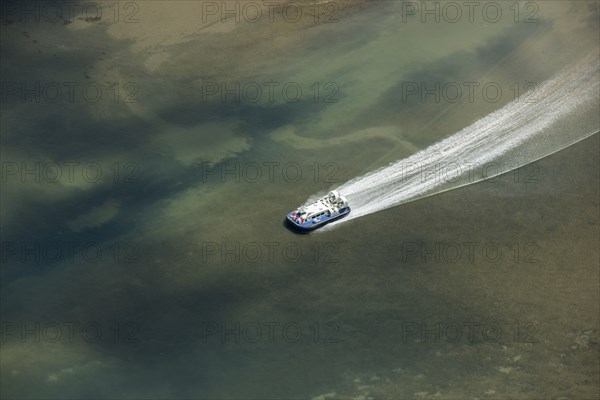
x,y
490,291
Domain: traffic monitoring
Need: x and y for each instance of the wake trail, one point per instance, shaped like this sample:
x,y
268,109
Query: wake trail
x,y
563,113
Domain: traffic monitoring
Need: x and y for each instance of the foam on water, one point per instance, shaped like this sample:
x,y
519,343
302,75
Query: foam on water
x,y
563,113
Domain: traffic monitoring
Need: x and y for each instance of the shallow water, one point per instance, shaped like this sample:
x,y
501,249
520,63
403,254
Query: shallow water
x,y
200,290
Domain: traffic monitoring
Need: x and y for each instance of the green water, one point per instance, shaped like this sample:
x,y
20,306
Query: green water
x,y
208,247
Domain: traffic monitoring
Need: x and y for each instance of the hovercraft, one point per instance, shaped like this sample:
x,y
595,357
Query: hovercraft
x,y
319,213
